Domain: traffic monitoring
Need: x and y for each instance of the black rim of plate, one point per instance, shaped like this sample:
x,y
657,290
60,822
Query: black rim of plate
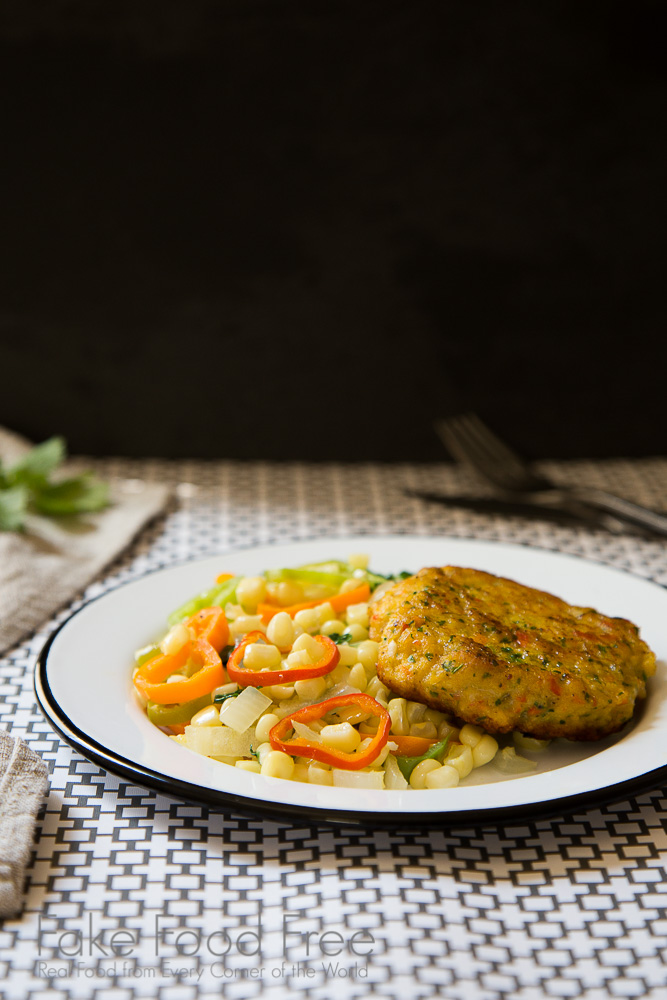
x,y
228,801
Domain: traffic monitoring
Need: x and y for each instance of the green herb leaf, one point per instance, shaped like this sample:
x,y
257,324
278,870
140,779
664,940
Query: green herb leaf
x,y
36,466
408,764
339,637
13,504
219,698
80,495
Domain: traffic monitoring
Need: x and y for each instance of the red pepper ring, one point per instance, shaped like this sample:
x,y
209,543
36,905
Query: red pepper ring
x,y
301,747
261,678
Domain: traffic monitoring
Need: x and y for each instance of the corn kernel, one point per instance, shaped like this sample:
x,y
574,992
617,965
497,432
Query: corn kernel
x,y
300,771
264,726
280,630
460,758
224,689
278,765
307,643
348,655
418,776
298,658
377,690
341,736
261,656
367,653
484,751
175,639
416,712
397,709
339,675
471,735
312,689
358,560
308,619
332,626
444,777
279,692
246,623
250,592
262,751
425,729
349,585
208,716
248,765
325,612
357,678
381,757
356,633
357,614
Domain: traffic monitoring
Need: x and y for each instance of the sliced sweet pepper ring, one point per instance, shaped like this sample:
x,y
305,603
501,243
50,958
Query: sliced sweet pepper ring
x,y
299,746
151,682
260,678
175,715
338,602
411,746
210,624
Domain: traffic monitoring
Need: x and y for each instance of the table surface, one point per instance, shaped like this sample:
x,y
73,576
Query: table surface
x,y
568,907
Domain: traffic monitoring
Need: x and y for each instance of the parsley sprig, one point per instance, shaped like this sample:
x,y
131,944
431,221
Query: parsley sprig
x,y
27,487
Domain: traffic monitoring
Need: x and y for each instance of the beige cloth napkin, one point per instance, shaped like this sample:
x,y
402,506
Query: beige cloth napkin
x,y
44,567
40,570
22,788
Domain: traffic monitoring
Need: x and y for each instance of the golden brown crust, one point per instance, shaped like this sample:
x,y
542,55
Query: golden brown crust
x,y
504,656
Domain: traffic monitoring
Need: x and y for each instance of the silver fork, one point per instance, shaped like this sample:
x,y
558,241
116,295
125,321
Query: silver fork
x,y
470,441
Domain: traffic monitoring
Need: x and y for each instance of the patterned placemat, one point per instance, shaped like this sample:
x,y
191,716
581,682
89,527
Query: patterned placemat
x,y
135,894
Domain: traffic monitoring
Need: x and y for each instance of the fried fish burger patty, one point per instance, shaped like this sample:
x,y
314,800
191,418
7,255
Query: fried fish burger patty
x,y
505,656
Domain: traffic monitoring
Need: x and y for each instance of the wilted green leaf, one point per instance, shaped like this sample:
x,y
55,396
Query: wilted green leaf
x,y
13,503
37,465
72,496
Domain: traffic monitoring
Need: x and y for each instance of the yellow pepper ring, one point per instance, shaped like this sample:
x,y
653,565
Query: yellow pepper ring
x,y
150,679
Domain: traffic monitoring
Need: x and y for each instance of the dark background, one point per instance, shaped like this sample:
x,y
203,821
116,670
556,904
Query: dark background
x,y
304,229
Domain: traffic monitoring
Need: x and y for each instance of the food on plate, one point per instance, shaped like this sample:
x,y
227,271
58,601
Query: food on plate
x,y
505,657
331,674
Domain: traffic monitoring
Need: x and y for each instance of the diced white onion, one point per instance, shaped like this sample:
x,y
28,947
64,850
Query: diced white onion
x,y
393,777
240,713
218,741
301,729
358,779
529,743
510,762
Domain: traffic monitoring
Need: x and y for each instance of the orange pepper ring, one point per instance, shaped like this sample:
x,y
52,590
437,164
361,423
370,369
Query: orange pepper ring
x,y
150,679
210,624
338,602
300,747
262,678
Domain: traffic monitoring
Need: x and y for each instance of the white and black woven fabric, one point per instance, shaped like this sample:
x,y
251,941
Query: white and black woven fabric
x,y
208,903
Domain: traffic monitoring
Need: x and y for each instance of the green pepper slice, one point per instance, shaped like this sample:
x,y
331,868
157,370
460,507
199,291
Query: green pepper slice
x,y
176,715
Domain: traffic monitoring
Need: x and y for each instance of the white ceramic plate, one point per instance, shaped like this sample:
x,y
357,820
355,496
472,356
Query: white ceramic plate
x,y
83,684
